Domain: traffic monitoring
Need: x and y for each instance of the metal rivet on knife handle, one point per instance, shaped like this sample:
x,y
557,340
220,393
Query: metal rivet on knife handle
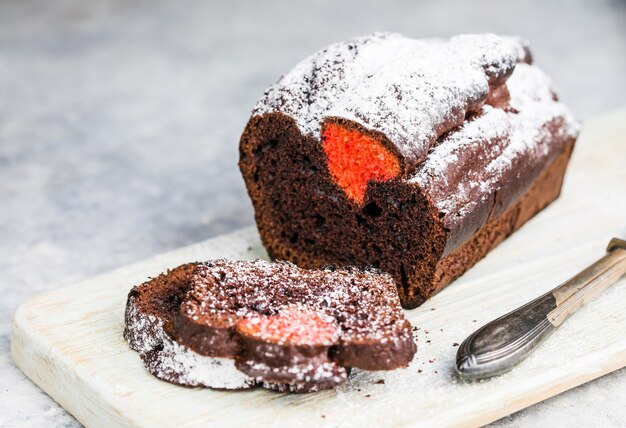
x,y
499,345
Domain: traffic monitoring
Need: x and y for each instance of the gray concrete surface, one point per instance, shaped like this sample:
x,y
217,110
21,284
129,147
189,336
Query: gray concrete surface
x,y
119,124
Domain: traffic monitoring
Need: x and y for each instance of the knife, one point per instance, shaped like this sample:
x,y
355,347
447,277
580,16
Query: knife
x,y
499,345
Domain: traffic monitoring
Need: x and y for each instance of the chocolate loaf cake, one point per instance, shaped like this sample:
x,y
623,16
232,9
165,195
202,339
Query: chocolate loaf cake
x,y
232,325
413,156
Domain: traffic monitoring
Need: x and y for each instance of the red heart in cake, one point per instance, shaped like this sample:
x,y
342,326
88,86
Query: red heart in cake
x,y
354,159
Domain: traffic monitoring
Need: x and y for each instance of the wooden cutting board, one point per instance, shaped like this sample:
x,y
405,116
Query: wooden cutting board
x,y
69,341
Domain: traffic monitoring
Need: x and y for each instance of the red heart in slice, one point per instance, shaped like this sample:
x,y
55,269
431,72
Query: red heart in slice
x,y
293,325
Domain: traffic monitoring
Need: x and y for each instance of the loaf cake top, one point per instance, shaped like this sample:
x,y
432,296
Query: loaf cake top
x,y
411,92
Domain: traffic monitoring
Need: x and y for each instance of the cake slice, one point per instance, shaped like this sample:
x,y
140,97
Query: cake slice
x,y
414,156
225,324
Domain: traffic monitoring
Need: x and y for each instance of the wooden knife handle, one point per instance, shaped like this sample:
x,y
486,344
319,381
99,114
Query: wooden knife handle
x,y
499,345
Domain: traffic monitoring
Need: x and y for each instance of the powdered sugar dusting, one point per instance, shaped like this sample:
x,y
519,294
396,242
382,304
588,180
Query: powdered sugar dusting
x,y
144,332
488,129
170,361
179,364
410,90
534,127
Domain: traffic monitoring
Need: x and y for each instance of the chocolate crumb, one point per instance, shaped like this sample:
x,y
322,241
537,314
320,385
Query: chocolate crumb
x,y
368,396
455,344
380,381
